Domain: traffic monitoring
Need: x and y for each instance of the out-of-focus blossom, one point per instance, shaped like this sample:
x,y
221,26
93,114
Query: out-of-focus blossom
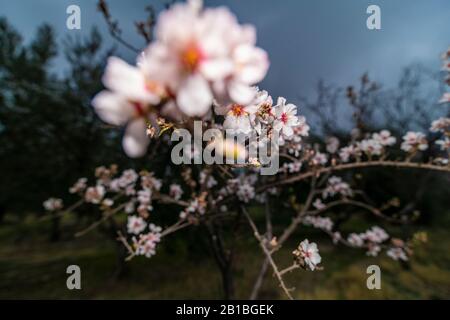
x,y
94,194
332,144
355,240
397,254
440,125
201,54
335,185
79,186
319,159
444,144
136,224
414,141
384,138
323,223
371,147
318,204
53,204
127,102
175,191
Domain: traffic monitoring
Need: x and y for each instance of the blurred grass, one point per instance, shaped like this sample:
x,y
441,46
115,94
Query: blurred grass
x,y
31,267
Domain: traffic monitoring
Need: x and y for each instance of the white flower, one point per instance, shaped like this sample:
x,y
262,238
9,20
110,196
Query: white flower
x,y
318,204
323,223
308,253
373,250
208,179
371,146
332,144
146,244
397,254
108,202
144,196
130,207
245,192
442,124
445,98
94,194
175,191
285,117
127,102
355,240
384,138
128,177
444,144
199,53
79,186
53,204
350,151
413,141
239,118
375,234
335,185
319,159
136,225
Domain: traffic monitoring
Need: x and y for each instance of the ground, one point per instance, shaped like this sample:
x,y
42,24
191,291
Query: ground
x,y
31,267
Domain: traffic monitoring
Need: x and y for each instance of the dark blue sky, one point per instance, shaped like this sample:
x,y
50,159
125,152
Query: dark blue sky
x,y
307,40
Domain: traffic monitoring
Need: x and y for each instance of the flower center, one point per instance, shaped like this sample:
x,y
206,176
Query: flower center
x,y
284,117
237,110
191,57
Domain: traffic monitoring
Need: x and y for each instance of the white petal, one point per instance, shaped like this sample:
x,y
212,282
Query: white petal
x,y
252,63
127,80
241,93
135,140
194,97
112,108
216,69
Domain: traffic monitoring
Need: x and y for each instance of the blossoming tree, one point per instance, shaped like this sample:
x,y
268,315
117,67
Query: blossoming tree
x,y
203,65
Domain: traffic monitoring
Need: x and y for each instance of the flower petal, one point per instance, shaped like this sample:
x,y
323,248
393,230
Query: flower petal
x,y
194,97
112,108
135,140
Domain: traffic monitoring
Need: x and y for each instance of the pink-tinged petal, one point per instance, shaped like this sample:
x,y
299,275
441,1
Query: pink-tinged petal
x,y
241,93
112,108
252,63
216,69
135,140
194,97
127,80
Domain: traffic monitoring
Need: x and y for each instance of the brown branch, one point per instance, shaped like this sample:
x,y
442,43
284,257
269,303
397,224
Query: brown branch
x,y
267,253
355,165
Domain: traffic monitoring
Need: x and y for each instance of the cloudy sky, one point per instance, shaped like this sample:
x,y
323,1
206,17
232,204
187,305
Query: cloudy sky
x,y
307,40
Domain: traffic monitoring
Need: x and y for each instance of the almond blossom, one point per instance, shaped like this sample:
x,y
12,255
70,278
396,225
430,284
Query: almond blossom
x,y
53,204
136,224
127,102
307,254
94,194
397,254
414,141
199,54
285,117
384,138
